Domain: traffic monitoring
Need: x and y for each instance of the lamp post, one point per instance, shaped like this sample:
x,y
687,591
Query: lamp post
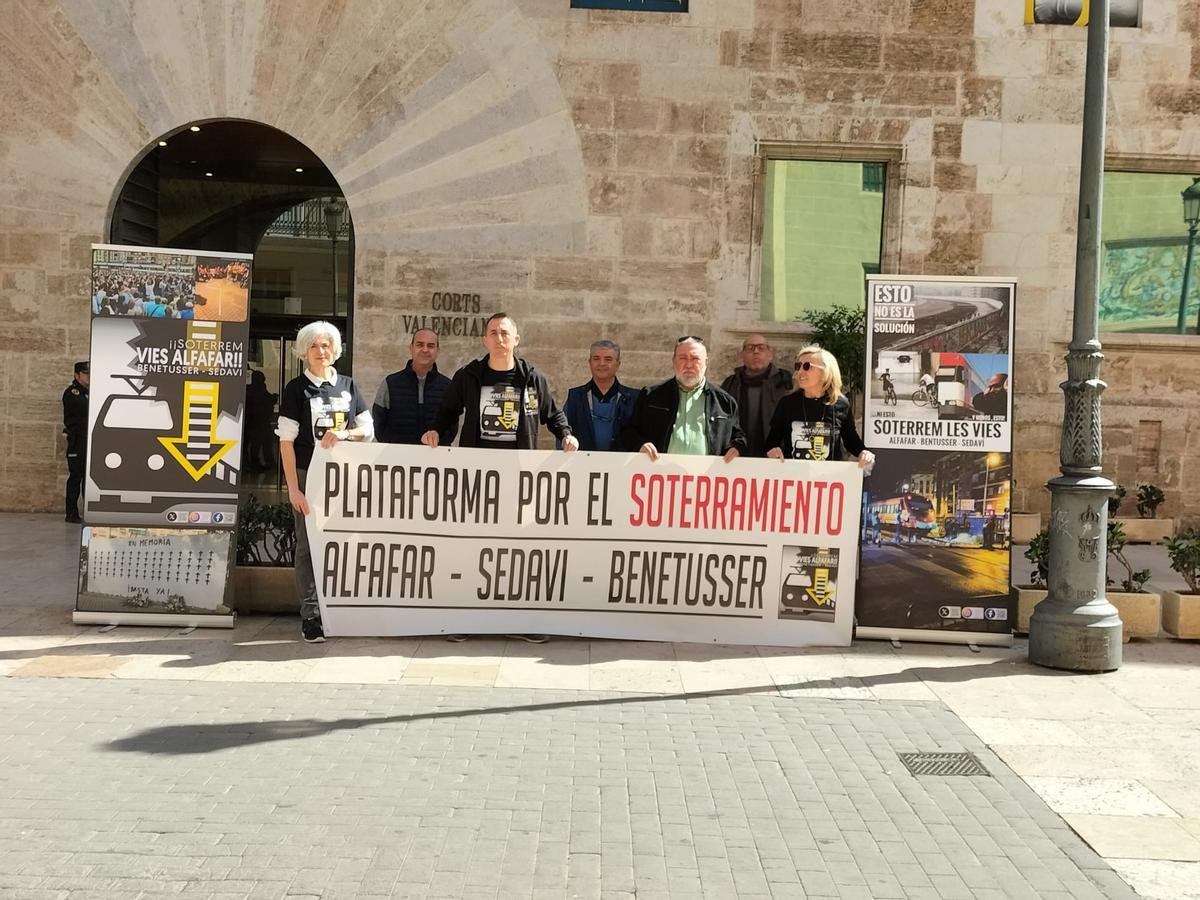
x,y
334,208
988,461
1191,217
1075,627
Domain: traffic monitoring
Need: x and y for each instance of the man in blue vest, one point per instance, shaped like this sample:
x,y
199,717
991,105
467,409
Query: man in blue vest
x,y
407,401
598,410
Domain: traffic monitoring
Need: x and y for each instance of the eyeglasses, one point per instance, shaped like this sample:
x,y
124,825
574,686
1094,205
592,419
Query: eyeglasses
x,y
806,365
690,337
755,348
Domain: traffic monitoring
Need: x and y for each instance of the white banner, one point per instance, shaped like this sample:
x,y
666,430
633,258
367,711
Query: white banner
x,y
410,540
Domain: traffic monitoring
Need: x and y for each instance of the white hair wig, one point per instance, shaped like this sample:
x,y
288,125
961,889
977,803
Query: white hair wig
x,y
313,330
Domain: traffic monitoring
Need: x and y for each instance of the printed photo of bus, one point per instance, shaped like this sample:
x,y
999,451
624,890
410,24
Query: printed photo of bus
x,y
902,518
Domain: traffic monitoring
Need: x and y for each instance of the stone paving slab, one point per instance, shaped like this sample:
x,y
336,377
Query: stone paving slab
x,y
128,788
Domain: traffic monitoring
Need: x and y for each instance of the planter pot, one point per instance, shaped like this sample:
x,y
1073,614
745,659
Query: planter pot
x,y
1147,531
1140,613
1181,615
1024,600
270,589
1025,526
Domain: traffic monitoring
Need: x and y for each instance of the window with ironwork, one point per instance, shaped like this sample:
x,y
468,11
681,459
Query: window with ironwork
x,y
1148,231
822,230
872,177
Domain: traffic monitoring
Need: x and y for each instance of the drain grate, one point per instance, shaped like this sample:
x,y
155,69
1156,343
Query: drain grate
x,y
943,764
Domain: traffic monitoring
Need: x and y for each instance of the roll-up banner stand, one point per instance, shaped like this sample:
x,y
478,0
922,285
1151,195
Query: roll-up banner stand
x,y
936,553
170,330
412,540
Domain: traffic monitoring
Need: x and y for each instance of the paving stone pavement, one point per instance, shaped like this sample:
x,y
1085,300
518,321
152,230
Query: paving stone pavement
x,y
128,788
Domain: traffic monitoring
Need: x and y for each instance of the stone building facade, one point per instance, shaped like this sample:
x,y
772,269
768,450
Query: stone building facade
x,y
598,174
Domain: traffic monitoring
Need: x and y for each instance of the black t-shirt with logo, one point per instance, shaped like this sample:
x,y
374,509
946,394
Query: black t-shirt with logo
x,y
809,428
499,408
319,408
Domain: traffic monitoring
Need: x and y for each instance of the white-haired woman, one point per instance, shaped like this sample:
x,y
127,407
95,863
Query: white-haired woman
x,y
317,406
815,420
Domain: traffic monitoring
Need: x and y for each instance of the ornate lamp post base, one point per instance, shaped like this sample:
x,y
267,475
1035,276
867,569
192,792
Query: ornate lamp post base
x,y
1075,627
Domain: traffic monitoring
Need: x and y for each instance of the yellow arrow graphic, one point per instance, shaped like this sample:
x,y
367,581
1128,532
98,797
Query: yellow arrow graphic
x,y
819,593
198,452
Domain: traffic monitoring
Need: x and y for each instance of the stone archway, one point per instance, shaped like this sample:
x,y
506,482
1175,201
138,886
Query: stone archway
x,y
444,124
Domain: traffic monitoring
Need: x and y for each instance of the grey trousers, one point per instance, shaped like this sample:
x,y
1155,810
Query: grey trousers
x,y
306,582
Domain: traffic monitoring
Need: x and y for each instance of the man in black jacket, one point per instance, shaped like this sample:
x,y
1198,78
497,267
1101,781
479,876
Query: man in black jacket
x,y
757,385
407,401
75,426
503,398
686,414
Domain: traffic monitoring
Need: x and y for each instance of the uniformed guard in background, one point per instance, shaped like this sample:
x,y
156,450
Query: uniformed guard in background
x,y
75,424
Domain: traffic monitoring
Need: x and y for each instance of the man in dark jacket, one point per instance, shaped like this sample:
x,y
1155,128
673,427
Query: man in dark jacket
x,y
75,426
686,414
757,385
503,398
598,410
407,401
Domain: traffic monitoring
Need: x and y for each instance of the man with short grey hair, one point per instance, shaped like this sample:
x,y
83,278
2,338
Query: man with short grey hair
x,y
598,410
757,385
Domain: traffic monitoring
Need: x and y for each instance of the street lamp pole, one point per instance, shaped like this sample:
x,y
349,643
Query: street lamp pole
x,y
1191,217
1075,627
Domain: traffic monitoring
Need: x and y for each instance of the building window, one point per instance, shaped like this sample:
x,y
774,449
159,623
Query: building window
x,y
872,177
822,230
1144,240
633,5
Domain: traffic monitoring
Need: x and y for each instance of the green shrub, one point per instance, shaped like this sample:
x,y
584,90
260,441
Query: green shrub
x,y
1149,498
266,534
1038,553
1184,553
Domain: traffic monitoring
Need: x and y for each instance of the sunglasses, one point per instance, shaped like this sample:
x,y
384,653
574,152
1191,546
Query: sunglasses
x,y
806,366
690,337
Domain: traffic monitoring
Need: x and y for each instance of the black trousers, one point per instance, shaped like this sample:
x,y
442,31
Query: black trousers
x,y
75,467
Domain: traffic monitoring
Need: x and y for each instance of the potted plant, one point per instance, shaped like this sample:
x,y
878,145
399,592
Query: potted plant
x,y
842,331
1181,611
264,579
1027,596
1149,499
1146,528
1140,609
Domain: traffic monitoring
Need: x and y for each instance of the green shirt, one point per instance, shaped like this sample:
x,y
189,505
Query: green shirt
x,y
687,435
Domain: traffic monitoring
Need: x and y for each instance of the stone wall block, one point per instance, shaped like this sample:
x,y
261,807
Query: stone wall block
x,y
702,155
611,194
621,79
572,274
681,195
598,149
592,112
828,51
644,152
681,279
915,53
637,237
672,238
956,17
921,90
947,140
631,114
953,176
981,97
678,117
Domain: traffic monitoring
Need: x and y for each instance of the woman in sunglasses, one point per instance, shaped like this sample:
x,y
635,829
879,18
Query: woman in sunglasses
x,y
815,421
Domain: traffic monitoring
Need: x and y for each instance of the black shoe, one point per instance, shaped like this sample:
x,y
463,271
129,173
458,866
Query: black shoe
x,y
312,631
457,638
74,519
529,638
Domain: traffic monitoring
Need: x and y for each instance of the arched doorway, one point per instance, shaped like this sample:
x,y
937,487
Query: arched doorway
x,y
246,187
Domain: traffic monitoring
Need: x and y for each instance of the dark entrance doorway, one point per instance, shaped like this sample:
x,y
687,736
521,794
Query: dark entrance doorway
x,y
249,188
